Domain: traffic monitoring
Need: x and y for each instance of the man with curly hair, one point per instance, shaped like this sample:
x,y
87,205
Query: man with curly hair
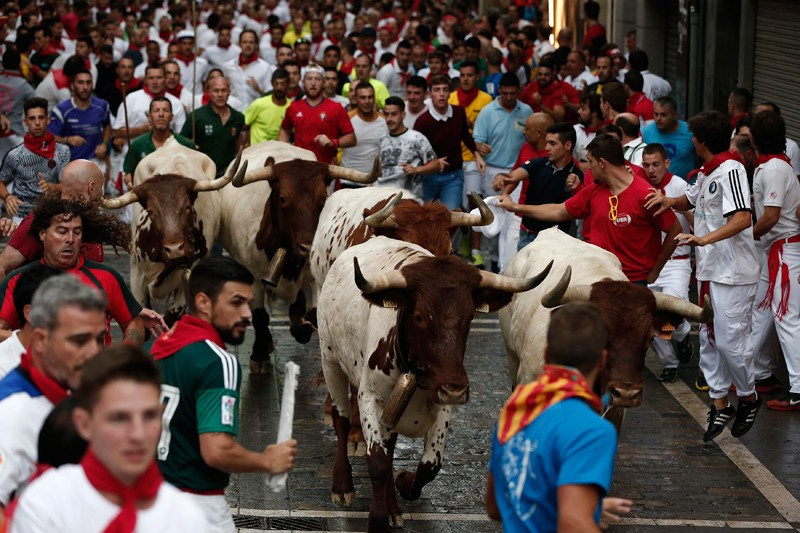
x,y
62,225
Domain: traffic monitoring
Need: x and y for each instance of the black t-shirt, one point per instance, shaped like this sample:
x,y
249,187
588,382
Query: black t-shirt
x,y
546,185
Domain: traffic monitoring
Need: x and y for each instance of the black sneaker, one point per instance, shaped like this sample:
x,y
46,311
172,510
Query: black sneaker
x,y
700,382
769,384
745,416
685,350
717,420
669,375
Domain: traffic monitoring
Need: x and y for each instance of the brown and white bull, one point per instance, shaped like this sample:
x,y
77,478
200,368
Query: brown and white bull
x,y
582,271
392,313
269,218
175,222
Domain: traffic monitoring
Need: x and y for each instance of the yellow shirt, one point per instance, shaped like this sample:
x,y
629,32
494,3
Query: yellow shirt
x,y
264,118
381,92
472,110
291,34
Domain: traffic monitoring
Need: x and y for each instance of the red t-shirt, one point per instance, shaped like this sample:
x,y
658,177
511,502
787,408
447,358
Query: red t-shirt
x,y
588,179
594,31
31,247
640,105
551,95
526,153
326,118
122,306
634,236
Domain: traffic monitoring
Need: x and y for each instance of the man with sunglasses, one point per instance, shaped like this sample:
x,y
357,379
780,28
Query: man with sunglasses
x,y
615,205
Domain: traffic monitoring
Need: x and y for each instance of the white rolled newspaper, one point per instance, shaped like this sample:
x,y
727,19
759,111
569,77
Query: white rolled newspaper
x,y
277,482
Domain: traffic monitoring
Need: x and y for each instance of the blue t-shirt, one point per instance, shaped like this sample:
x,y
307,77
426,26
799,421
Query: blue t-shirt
x,y
503,131
678,144
568,444
493,84
66,120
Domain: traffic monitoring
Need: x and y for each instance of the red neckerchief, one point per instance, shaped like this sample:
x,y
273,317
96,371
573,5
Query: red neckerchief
x,y
205,99
710,166
665,181
133,47
58,45
274,44
48,51
764,158
186,331
555,384
404,74
347,68
303,64
186,59
176,92
132,84
317,40
60,79
466,98
246,60
736,118
151,93
44,146
293,93
165,35
145,488
46,385
370,53
592,129
12,73
223,47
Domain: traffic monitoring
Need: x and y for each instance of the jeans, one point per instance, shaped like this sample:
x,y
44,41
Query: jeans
x,y
525,238
447,187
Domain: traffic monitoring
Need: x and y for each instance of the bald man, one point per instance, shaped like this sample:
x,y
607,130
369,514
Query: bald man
x,y
632,143
79,179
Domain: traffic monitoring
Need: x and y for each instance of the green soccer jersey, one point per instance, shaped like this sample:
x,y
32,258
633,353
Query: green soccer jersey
x,y
200,394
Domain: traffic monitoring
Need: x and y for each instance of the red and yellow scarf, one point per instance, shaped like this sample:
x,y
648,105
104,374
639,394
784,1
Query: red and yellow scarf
x,y
557,383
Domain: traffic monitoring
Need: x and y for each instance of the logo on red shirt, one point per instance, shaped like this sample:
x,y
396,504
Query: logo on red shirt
x,y
622,220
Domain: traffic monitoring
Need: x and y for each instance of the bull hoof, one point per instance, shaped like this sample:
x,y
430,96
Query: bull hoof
x,y
356,448
396,521
259,367
343,500
302,332
404,482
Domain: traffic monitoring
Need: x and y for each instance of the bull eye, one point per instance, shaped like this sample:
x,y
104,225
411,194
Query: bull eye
x,y
282,199
418,318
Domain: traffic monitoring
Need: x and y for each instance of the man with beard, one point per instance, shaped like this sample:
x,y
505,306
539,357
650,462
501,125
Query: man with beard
x,y
201,380
264,116
590,118
545,93
122,84
319,124
606,73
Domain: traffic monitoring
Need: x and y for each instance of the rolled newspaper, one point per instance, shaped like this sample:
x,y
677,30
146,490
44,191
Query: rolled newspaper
x,y
277,482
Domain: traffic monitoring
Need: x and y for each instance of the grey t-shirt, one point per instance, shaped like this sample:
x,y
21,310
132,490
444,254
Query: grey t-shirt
x,y
410,147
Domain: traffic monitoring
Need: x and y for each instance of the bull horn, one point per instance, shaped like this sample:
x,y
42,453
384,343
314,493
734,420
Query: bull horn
x,y
354,175
275,268
120,201
390,280
241,179
491,280
235,173
684,308
563,293
384,218
485,217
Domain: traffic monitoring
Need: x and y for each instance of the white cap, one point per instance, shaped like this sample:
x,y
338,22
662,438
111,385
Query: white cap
x,y
185,34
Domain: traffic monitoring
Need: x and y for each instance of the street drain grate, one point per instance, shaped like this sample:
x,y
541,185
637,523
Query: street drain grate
x,y
264,523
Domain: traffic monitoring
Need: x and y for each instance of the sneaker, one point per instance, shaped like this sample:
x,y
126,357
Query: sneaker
x,y
669,375
790,402
495,267
717,420
685,350
476,260
770,384
745,416
700,382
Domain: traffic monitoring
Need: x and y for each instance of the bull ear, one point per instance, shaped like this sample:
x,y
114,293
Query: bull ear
x,y
490,300
390,298
269,162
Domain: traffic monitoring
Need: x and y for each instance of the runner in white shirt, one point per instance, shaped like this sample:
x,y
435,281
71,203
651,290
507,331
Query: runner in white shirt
x,y
269,44
727,269
118,480
173,85
776,197
63,307
416,90
579,74
590,118
369,128
632,144
193,69
674,277
250,76
396,73
222,52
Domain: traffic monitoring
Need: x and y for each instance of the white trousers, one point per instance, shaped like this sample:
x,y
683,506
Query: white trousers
x,y
673,280
216,511
767,329
509,235
728,358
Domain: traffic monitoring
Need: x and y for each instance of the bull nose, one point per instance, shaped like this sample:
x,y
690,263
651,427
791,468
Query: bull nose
x,y
454,394
173,251
304,249
622,396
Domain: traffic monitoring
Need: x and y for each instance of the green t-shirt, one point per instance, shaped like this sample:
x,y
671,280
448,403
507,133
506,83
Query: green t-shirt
x,y
213,138
264,118
200,393
381,92
143,146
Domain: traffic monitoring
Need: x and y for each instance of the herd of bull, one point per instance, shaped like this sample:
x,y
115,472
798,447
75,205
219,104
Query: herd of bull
x,y
371,271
